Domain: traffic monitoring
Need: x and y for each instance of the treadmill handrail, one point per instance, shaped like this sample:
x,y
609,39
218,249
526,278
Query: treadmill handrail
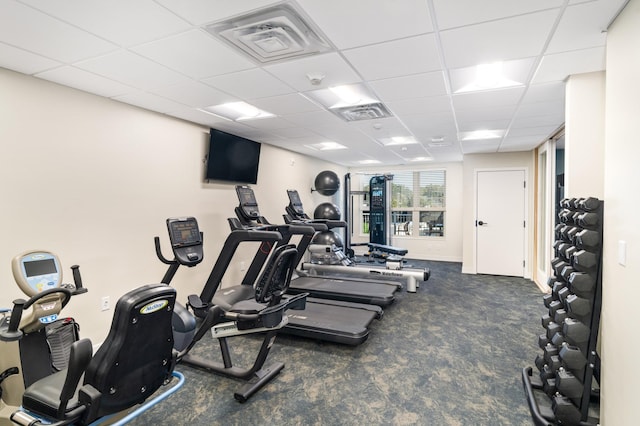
x,y
235,238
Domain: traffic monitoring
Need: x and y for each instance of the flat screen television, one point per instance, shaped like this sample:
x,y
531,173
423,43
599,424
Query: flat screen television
x,y
232,158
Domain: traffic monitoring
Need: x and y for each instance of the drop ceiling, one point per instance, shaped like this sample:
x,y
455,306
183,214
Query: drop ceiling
x,y
413,56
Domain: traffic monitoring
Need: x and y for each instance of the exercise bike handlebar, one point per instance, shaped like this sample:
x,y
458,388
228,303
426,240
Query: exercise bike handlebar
x,y
163,259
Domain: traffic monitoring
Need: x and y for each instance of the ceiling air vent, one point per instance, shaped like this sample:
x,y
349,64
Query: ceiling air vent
x,y
362,112
272,34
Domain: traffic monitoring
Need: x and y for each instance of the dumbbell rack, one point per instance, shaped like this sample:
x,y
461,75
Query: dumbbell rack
x,y
565,390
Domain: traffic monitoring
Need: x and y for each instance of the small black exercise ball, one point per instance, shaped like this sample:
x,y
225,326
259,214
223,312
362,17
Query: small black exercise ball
x,y
327,238
327,211
327,183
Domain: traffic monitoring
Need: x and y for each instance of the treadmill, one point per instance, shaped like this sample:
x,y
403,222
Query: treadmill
x,y
348,268
380,293
332,321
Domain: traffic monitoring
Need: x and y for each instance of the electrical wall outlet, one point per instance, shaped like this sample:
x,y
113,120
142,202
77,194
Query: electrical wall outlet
x,y
105,303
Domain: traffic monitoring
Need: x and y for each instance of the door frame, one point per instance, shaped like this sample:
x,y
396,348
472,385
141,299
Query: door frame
x,y
527,268
544,236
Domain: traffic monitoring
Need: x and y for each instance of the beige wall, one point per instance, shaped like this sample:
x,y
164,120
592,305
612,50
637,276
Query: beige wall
x,y
94,180
473,162
621,292
584,135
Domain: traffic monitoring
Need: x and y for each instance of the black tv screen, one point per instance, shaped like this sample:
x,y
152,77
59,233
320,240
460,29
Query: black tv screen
x,y
232,158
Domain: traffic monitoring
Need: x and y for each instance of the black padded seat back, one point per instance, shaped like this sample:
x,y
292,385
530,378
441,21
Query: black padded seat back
x,y
276,276
136,357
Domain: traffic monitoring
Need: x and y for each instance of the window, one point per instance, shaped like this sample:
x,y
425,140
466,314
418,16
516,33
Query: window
x,y
416,197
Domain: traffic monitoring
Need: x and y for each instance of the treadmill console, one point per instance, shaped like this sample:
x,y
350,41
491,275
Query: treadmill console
x,y
186,240
36,272
248,202
295,203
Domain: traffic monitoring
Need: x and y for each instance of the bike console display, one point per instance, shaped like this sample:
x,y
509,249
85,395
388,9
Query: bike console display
x,y
186,240
36,271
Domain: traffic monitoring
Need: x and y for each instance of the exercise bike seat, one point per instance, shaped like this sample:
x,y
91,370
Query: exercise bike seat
x,y
135,359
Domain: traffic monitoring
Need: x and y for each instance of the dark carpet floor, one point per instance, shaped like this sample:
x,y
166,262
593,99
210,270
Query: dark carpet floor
x,y
450,354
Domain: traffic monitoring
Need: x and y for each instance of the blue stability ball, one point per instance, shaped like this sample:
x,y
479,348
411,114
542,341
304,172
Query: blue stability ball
x,y
327,211
327,183
327,238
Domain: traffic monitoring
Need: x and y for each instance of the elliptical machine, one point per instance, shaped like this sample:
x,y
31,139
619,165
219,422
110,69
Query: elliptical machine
x,y
262,312
36,345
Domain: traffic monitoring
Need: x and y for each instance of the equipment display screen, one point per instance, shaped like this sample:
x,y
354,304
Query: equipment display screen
x,y
185,233
40,267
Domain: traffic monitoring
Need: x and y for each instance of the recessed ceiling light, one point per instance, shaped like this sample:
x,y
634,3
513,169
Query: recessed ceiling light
x,y
489,76
342,96
238,111
368,162
398,140
481,135
326,146
421,159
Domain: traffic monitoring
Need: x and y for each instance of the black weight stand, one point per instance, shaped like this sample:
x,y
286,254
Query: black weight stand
x,y
564,391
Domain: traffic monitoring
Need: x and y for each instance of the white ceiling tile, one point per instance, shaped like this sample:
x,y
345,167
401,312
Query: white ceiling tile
x,y
488,99
250,84
194,94
199,12
195,116
558,67
334,69
410,86
382,128
396,58
546,120
84,80
149,101
22,61
502,40
583,26
459,13
530,131
478,123
314,119
122,22
554,91
485,115
426,126
31,30
271,123
133,70
541,108
481,146
522,143
286,104
359,22
433,104
196,54
294,133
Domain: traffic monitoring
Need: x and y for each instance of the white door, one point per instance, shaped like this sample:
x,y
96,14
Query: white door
x,y
500,222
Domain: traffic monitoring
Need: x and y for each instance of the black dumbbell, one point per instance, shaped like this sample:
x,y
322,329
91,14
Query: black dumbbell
x,y
552,329
584,261
566,271
587,220
579,308
589,204
573,359
560,316
582,284
565,412
575,333
587,239
569,385
543,340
